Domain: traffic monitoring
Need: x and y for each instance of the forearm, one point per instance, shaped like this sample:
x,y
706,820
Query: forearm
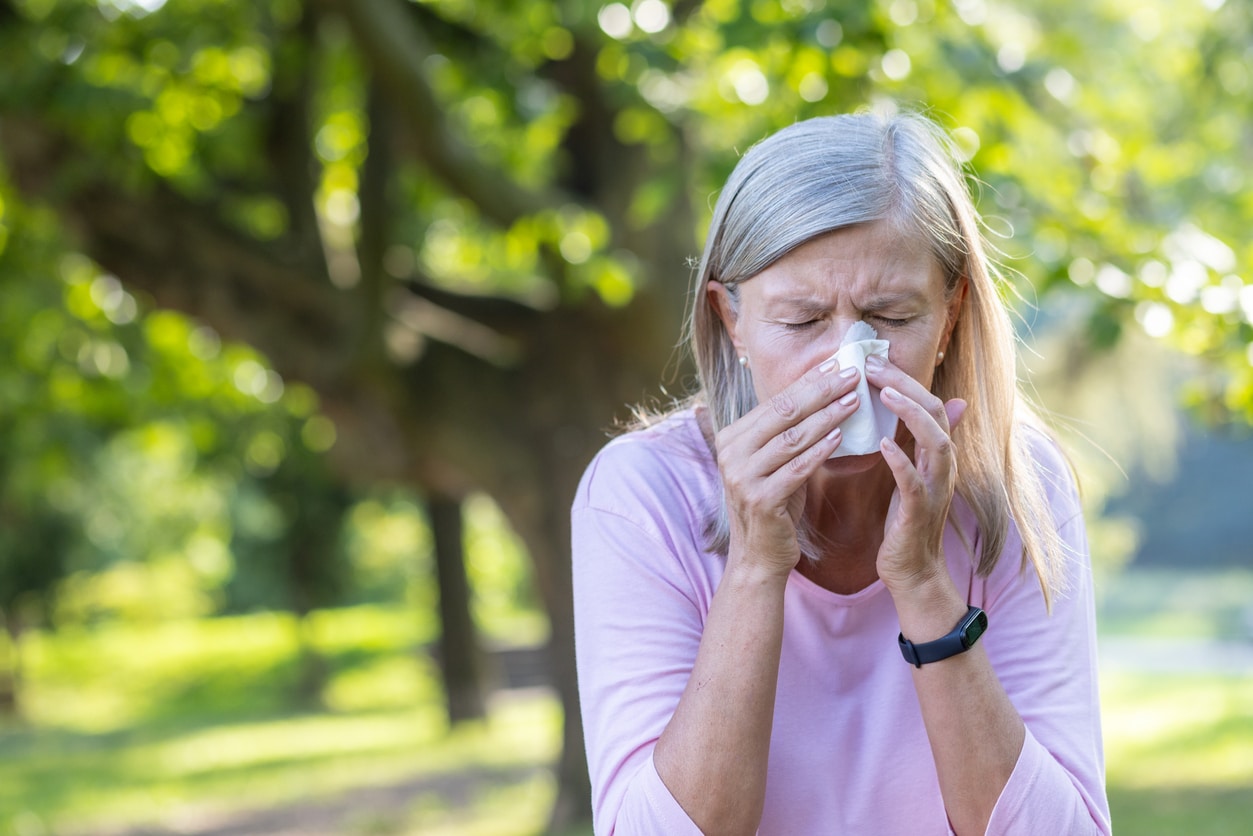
x,y
975,732
713,754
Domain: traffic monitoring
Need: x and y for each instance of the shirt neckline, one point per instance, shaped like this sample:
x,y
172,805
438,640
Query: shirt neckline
x,y
808,588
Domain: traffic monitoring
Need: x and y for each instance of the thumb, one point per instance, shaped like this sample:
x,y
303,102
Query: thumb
x,y
955,409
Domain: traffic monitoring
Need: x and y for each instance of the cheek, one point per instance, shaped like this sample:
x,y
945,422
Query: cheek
x,y
916,358
771,379
779,360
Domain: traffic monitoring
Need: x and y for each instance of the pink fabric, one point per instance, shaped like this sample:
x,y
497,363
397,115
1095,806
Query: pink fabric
x,y
849,754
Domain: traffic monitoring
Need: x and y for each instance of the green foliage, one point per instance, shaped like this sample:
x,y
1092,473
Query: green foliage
x,y
139,449
1112,138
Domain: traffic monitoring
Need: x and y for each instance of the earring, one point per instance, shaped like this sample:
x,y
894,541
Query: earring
x,y
939,357
744,360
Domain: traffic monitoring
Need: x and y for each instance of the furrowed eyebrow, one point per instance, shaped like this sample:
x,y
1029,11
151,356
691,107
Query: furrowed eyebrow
x,y
799,304
889,300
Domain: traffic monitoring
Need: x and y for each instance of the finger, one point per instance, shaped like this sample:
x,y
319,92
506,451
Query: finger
x,y
798,439
909,481
882,373
955,409
794,472
771,491
817,388
933,446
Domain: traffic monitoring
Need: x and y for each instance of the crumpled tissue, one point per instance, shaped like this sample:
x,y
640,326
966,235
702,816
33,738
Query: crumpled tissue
x,y
872,421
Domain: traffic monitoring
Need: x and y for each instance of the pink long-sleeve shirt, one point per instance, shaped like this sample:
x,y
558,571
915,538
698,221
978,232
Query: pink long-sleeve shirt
x,y
848,751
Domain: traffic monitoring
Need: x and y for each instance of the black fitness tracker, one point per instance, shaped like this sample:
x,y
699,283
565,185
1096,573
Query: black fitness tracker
x,y
973,625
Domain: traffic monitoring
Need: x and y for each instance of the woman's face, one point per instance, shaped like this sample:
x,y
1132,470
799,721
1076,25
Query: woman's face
x,y
793,315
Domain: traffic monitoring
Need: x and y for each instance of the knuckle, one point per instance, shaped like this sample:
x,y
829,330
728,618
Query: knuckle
x,y
802,463
783,405
735,485
935,407
791,438
829,385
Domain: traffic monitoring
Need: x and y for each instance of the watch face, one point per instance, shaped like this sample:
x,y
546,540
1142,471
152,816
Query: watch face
x,y
976,628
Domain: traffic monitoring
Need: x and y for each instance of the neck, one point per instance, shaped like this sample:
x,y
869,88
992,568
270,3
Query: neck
x,y
847,511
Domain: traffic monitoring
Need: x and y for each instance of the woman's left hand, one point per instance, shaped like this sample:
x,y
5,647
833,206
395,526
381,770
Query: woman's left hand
x,y
911,558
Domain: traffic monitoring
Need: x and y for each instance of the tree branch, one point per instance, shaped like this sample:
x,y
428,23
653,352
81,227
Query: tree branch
x,y
495,312
287,144
181,253
395,49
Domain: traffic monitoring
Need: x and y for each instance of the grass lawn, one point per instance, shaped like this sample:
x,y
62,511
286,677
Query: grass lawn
x,y
189,727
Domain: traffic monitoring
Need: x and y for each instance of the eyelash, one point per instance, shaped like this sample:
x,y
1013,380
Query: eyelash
x,y
885,321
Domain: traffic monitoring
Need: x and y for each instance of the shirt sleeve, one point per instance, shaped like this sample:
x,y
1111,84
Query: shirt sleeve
x,y
637,630
1047,663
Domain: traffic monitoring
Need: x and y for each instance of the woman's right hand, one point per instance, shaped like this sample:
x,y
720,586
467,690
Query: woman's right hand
x,y
767,456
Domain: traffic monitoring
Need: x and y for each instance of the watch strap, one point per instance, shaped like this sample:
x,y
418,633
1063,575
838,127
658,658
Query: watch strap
x,y
972,625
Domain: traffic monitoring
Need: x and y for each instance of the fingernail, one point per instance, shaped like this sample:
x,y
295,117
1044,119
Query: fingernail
x,y
874,361
849,399
849,373
827,365
834,434
891,393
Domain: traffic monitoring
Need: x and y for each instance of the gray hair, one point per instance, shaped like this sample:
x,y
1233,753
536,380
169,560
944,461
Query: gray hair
x,y
828,173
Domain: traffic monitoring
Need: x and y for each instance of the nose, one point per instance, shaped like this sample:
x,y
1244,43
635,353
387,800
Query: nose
x,y
826,344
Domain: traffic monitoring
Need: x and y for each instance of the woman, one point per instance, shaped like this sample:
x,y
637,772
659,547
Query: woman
x,y
774,638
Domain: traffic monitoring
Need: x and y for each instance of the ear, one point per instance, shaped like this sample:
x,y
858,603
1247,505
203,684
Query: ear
x,y
722,303
954,311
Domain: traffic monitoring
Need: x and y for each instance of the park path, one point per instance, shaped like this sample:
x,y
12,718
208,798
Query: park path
x,y
365,810
1138,654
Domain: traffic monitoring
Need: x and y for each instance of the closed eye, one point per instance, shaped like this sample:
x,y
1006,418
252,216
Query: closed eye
x,y
887,321
800,326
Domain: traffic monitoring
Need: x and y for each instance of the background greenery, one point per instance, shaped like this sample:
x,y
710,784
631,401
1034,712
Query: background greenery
x,y
281,279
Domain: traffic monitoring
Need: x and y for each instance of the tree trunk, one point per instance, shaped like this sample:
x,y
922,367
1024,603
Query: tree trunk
x,y
313,561
459,653
312,670
11,668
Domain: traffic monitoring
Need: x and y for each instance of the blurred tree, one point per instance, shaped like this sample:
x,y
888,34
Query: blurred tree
x,y
465,224
303,564
459,652
125,437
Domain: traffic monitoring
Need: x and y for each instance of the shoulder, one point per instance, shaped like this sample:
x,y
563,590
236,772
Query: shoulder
x,y
668,462
643,510
1044,452
1056,513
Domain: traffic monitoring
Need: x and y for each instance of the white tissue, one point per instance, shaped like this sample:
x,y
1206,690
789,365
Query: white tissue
x,y
872,421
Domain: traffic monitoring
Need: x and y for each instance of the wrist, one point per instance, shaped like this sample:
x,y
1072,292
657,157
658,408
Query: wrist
x,y
751,574
957,641
929,610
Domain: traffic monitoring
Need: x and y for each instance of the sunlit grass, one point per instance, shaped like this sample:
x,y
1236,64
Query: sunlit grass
x,y
132,724
1179,732
1179,749
192,724
79,785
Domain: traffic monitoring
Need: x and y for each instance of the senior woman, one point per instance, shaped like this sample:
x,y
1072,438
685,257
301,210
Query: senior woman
x,y
776,638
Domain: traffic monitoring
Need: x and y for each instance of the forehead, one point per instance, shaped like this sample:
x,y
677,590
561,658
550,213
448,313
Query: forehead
x,y
872,260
